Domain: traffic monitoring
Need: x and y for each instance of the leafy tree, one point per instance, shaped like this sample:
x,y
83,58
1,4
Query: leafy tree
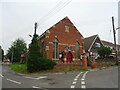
x,y
17,48
104,51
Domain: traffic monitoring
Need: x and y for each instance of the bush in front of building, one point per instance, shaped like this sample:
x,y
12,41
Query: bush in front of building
x,y
104,52
36,62
46,64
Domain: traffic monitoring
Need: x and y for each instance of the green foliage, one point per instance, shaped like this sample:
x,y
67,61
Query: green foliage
x,y
89,62
19,68
1,54
34,55
46,64
36,62
17,48
104,51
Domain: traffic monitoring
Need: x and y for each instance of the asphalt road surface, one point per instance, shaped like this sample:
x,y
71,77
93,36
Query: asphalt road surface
x,y
106,78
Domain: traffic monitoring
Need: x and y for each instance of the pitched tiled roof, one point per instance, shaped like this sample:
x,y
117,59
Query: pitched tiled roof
x,y
108,43
88,42
61,21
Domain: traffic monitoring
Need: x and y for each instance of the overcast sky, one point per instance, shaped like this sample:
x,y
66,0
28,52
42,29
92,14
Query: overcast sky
x,y
17,17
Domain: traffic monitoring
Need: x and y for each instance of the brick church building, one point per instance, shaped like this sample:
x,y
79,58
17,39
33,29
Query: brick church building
x,y
62,42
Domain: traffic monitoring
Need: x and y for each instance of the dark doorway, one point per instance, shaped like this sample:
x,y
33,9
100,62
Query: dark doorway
x,y
69,57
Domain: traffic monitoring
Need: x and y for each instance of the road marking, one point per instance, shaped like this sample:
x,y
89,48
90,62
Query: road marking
x,y
75,79
74,82
82,79
59,73
1,75
72,86
21,74
13,81
83,86
82,82
35,87
37,78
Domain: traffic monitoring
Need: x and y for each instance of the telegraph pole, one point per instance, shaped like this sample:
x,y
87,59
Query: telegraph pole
x,y
35,28
114,38
12,57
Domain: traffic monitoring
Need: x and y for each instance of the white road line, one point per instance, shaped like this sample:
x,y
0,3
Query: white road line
x,y
83,77
82,82
83,86
37,78
13,81
35,87
21,74
72,86
1,75
74,82
75,79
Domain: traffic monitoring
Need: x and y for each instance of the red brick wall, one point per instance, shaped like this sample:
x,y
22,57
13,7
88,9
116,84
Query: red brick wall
x,y
68,66
69,38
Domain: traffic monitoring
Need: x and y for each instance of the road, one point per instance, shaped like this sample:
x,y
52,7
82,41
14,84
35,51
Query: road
x,y
106,78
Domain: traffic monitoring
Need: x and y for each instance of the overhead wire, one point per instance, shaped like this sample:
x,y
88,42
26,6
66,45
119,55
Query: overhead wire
x,y
51,13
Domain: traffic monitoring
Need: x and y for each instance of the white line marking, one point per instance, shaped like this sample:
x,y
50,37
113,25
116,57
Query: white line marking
x,y
75,79
82,82
1,75
83,86
35,87
14,81
82,79
21,74
37,78
73,86
74,82
59,73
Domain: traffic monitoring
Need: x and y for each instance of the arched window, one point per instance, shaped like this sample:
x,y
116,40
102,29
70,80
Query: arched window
x,y
77,50
55,48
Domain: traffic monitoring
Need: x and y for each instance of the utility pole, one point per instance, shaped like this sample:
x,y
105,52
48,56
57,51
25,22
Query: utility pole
x,y
114,38
35,27
12,57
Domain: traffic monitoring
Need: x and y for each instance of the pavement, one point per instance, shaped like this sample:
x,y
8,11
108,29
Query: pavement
x,y
106,78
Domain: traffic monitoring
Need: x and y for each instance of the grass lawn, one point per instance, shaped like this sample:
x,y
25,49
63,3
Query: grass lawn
x,y
22,68
19,68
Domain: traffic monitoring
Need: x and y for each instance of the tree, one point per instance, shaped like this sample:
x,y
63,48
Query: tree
x,y
34,55
17,48
104,51
36,61
1,54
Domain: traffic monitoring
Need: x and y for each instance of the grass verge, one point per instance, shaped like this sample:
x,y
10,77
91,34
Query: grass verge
x,y
19,68
22,68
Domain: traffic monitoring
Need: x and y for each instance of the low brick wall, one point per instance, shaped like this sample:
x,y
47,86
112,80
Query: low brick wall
x,y
105,62
62,66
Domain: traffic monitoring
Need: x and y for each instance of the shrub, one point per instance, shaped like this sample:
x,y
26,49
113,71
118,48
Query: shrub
x,y
46,64
36,62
